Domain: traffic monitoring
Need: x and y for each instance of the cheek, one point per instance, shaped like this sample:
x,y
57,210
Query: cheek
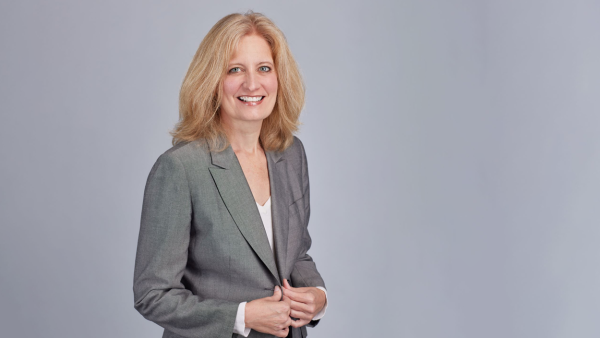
x,y
271,84
230,87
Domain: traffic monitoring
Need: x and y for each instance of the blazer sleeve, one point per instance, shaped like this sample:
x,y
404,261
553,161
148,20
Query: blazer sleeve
x,y
304,272
161,259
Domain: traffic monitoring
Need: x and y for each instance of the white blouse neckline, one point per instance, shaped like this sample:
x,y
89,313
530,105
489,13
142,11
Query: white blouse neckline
x,y
267,204
265,216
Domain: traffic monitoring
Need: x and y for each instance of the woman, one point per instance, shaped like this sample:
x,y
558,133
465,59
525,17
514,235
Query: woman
x,y
223,240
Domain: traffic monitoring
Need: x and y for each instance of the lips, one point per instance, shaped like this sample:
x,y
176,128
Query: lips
x,y
250,99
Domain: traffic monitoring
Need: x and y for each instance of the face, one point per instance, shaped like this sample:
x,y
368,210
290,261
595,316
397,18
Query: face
x,y
250,84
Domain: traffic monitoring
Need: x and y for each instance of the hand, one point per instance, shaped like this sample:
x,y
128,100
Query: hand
x,y
269,315
305,302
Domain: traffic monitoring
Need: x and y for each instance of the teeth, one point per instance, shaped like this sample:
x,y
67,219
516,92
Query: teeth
x,y
251,99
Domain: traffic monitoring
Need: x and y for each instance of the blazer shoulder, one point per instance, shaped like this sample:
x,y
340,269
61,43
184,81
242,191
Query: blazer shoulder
x,y
297,142
188,153
296,149
296,156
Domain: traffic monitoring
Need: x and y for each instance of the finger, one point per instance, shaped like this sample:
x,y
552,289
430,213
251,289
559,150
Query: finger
x,y
276,294
302,307
286,309
286,299
300,322
286,284
283,332
302,297
290,291
289,321
301,315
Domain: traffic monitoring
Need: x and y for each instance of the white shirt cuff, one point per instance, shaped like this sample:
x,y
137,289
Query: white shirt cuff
x,y
322,312
240,321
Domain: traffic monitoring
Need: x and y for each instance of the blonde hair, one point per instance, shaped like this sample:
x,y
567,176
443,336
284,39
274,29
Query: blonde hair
x,y
201,91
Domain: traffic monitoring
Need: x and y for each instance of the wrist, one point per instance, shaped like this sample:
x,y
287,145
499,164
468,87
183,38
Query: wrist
x,y
248,314
240,326
323,299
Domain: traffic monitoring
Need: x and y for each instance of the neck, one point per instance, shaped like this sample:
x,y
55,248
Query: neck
x,y
243,137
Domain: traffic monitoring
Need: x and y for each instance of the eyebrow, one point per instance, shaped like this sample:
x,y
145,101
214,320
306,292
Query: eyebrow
x,y
241,64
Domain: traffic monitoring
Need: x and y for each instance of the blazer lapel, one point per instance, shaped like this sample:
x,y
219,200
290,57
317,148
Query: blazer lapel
x,y
279,208
238,199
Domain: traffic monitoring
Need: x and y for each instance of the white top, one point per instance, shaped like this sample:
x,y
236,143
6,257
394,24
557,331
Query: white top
x,y
240,319
265,216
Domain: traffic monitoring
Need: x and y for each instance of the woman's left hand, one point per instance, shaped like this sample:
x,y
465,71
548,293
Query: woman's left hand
x,y
305,302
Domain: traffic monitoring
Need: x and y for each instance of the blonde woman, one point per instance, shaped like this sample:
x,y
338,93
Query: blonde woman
x,y
223,241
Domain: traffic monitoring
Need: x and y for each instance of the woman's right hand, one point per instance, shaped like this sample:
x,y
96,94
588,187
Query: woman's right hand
x,y
269,315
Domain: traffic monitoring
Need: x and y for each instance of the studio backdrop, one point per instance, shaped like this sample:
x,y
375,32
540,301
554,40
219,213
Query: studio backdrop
x,y
453,150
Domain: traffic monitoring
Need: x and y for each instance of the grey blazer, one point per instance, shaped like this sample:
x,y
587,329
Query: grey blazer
x,y
202,247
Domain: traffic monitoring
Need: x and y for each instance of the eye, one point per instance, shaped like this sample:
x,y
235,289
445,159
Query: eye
x,y
264,69
235,70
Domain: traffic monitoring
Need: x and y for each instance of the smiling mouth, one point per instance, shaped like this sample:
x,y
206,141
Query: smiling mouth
x,y
250,98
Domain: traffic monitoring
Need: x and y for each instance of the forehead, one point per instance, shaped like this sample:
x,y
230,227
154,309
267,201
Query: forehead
x,y
252,48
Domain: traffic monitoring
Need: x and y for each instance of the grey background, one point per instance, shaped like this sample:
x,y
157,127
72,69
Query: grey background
x,y
469,132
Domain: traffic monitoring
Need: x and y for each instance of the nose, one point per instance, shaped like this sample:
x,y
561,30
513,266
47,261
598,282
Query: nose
x,y
251,82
